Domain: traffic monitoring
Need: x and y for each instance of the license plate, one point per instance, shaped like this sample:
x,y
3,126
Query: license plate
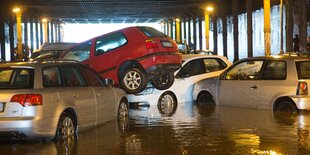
x,y
1,107
166,44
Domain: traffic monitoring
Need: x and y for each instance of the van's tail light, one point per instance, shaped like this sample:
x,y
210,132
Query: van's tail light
x,y
150,44
27,99
302,88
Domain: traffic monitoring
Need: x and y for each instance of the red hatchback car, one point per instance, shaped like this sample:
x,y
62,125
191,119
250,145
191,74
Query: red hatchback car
x,y
132,57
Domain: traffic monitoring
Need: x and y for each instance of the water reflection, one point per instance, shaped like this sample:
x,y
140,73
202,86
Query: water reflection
x,y
192,129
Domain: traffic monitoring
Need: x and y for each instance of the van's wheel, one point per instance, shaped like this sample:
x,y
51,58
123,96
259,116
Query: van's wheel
x,y
123,116
167,103
66,129
133,81
286,106
163,81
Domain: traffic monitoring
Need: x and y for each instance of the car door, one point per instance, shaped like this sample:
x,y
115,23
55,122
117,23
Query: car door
x,y
239,85
82,95
104,96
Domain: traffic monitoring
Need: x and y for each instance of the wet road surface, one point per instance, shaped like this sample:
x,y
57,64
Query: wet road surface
x,y
189,130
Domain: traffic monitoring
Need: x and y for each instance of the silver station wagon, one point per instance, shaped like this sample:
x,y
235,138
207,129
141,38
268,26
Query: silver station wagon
x,y
278,83
53,99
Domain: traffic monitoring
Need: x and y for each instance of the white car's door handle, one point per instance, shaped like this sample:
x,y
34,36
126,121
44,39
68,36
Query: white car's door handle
x,y
253,87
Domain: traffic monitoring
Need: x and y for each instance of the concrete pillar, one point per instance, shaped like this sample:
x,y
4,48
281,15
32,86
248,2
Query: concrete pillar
x,y
36,22
281,26
19,35
267,29
26,21
224,20
31,34
189,40
194,33
45,30
249,10
184,31
2,35
207,28
289,25
171,29
52,31
214,34
200,32
178,30
236,31
11,34
41,33
302,14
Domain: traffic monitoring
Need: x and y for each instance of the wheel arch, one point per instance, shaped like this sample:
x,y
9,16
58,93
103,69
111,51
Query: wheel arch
x,y
169,91
203,91
280,99
127,64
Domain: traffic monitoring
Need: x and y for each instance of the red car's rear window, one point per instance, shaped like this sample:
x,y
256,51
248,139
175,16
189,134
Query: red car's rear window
x,y
16,78
151,32
303,69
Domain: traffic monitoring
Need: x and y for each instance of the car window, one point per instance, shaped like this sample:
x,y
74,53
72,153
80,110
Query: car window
x,y
110,42
51,77
16,78
70,76
193,67
79,53
151,32
213,64
274,70
303,69
91,78
248,70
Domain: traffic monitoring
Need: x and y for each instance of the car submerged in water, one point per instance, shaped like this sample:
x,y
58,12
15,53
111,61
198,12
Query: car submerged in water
x,y
278,83
132,57
55,100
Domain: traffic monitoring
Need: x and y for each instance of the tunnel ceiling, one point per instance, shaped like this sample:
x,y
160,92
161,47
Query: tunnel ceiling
x,y
121,11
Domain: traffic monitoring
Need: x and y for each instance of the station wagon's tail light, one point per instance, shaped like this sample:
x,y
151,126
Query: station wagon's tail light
x,y
150,44
27,99
302,88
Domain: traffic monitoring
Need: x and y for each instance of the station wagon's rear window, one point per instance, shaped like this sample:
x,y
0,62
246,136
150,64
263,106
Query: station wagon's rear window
x,y
303,69
16,78
151,32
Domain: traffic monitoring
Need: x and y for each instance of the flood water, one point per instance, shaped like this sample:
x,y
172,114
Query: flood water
x,y
190,130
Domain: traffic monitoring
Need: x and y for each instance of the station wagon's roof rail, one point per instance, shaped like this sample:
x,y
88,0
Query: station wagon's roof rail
x,y
55,60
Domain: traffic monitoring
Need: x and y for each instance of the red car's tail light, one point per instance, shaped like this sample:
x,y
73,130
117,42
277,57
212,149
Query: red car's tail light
x,y
302,88
150,43
27,99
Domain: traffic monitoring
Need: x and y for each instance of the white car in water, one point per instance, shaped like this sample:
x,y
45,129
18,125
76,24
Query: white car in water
x,y
195,67
278,83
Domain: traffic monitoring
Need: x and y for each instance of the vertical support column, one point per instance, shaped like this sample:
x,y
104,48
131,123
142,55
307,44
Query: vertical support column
x,y
41,32
281,26
215,34
178,30
236,31
60,34
267,28
31,35
184,31
36,22
302,24
224,18
11,34
167,27
189,32
200,31
2,35
19,35
207,28
194,32
249,27
52,31
171,29
26,20
289,24
45,30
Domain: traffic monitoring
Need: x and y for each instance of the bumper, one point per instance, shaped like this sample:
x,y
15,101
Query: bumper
x,y
30,127
302,102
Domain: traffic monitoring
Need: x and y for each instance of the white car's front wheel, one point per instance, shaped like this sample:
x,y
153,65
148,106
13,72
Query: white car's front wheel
x,y
167,103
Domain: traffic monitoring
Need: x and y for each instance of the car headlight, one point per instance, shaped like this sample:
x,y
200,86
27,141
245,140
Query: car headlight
x,y
146,91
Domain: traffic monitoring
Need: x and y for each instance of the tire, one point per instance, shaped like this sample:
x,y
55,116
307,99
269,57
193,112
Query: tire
x,y
163,81
123,116
286,106
67,128
204,99
167,104
133,81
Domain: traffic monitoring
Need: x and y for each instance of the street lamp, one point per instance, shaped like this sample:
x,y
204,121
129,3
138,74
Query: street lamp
x,y
208,11
18,13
